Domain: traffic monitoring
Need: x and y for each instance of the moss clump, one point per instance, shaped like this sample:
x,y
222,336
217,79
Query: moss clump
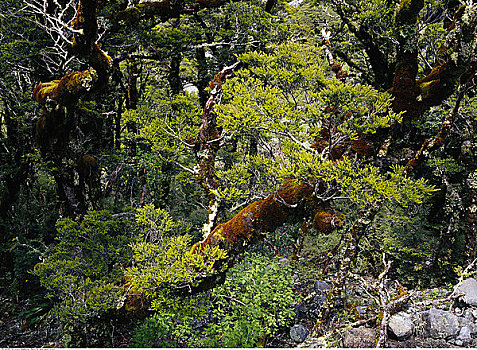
x,y
68,87
261,216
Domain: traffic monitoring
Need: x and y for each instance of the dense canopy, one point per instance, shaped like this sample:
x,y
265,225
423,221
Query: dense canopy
x,y
185,173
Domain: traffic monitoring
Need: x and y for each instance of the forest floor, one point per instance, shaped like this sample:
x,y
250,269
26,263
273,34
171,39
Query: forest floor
x,y
17,332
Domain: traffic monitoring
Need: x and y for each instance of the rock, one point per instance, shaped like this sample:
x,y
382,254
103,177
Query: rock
x,y
298,333
321,287
474,313
401,325
440,323
464,334
469,289
468,316
319,299
284,261
361,310
300,312
360,337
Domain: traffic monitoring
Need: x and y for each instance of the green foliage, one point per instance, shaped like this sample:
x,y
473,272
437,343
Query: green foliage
x,y
409,242
84,269
154,332
281,98
170,262
164,122
254,302
157,223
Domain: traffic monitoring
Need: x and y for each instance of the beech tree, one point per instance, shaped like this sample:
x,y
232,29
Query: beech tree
x,y
318,118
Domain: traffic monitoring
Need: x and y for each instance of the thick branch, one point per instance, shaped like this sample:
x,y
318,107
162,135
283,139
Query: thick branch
x,y
66,90
208,143
262,216
378,60
405,88
456,57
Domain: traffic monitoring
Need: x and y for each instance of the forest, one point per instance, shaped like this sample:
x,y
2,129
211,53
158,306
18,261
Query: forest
x,y
260,173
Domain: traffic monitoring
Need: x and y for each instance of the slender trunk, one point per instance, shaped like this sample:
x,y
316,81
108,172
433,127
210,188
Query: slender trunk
x,y
117,124
174,74
131,103
202,75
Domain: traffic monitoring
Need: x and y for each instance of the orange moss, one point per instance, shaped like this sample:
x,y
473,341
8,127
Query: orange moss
x,y
134,302
339,150
362,146
339,72
327,219
87,162
68,87
324,135
100,61
261,216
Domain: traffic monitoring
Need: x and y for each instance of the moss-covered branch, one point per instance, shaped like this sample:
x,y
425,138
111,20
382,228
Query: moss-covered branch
x,y
73,85
67,89
405,88
454,59
259,217
53,128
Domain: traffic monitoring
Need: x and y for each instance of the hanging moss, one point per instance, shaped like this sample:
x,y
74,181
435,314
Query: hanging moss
x,y
363,147
66,89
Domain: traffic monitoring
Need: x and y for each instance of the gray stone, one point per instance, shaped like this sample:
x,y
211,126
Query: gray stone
x,y
284,261
468,316
321,287
469,289
319,299
464,334
360,337
440,323
300,312
401,325
361,310
298,333
474,313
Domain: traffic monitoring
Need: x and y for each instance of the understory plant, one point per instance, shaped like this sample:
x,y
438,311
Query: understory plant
x,y
254,302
